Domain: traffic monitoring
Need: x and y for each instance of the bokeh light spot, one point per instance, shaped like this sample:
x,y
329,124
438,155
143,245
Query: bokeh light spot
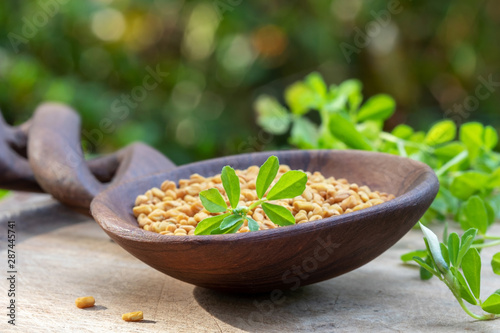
x,y
108,24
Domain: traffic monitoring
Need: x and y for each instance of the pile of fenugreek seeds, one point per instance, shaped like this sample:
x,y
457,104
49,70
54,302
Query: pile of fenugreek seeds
x,y
176,210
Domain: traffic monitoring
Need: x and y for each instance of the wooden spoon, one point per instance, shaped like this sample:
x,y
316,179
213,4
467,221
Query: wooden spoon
x,y
286,257
282,258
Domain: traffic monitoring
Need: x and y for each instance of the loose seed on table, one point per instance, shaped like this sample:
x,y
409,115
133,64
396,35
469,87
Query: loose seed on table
x,y
85,302
133,316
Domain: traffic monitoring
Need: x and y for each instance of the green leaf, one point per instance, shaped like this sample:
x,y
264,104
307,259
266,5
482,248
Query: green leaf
x,y
291,184
409,256
472,232
425,265
468,183
352,89
304,134
206,226
370,129
494,180
435,249
449,150
231,230
476,215
471,134
271,115
466,244
230,221
378,107
442,132
491,213
492,303
231,184
402,131
444,252
317,84
490,137
465,291
278,214
213,201
300,98
471,266
424,273
495,263
252,224
3,193
453,247
267,173
344,130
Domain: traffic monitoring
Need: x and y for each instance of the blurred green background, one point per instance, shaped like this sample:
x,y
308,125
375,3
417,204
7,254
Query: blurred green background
x,y
221,54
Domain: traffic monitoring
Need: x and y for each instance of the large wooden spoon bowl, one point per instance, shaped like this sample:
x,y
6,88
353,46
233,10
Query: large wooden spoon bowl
x,y
282,258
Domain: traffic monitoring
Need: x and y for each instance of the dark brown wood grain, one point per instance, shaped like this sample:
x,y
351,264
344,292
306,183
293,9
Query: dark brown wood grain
x,y
283,258
16,173
59,167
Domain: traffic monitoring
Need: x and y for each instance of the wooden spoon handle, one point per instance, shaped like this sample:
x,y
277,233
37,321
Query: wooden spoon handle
x,y
57,162
15,171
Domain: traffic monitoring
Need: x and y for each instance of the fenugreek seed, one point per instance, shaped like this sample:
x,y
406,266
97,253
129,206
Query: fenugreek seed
x,y
350,202
365,189
149,194
200,216
301,216
317,209
376,201
363,196
158,193
192,222
180,232
307,194
172,194
142,209
339,197
303,205
144,221
269,224
155,227
157,215
248,195
168,185
354,187
85,302
181,193
251,185
319,187
133,316
362,206
179,210
141,199
188,228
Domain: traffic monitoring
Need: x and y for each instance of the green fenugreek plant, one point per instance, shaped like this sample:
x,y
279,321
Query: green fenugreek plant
x,y
463,158
457,263
290,185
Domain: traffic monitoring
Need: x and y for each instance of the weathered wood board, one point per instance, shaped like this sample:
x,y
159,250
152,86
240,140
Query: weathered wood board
x,y
61,256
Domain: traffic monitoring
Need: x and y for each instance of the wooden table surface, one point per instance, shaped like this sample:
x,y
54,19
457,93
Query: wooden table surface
x,y
61,256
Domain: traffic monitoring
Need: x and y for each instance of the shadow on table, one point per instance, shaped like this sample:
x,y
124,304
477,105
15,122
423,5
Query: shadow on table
x,y
34,214
278,311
